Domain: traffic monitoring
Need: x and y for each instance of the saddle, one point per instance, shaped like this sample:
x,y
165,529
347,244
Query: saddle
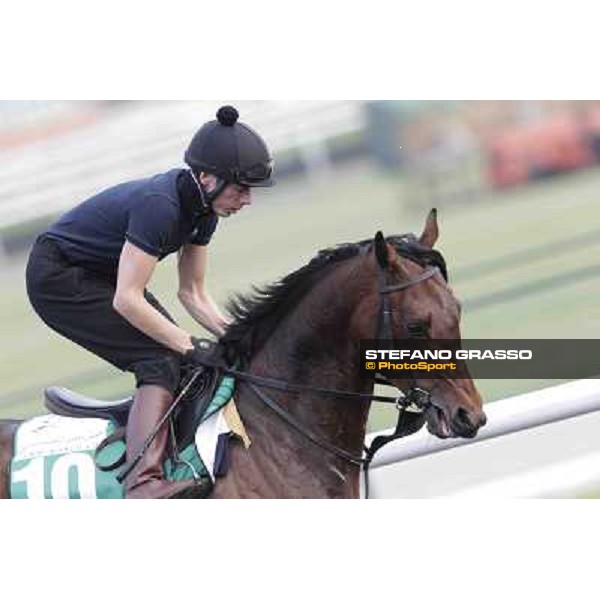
x,y
64,402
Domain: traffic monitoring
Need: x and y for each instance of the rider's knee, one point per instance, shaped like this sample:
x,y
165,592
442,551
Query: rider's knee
x,y
164,371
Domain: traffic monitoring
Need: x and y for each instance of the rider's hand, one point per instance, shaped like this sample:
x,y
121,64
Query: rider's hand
x,y
198,355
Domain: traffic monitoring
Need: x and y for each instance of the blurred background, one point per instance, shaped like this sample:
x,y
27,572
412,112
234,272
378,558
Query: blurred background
x,y
516,184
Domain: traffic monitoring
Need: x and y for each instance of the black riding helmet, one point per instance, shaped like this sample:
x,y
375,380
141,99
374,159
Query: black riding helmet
x,y
231,151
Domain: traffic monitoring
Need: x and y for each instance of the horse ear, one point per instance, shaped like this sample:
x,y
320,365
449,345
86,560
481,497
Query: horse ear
x,y
381,250
431,232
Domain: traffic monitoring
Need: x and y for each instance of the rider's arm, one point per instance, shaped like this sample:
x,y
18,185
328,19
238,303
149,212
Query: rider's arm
x,y
135,269
192,292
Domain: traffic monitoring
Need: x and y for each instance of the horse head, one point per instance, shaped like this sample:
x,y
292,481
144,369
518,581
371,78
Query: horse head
x,y
422,304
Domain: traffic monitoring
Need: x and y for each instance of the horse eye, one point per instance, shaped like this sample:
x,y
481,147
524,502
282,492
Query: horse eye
x,y
417,329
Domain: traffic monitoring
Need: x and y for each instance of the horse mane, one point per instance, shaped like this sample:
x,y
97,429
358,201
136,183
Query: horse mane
x,y
257,314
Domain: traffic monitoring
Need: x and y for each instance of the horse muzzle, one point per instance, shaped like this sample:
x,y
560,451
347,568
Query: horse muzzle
x,y
460,422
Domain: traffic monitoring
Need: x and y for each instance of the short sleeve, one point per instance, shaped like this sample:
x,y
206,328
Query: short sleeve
x,y
152,223
204,231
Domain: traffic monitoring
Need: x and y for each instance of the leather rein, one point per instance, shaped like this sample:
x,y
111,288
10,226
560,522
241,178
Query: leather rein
x,y
408,422
415,396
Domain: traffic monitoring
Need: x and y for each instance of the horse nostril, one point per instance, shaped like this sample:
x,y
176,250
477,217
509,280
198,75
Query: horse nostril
x,y
467,423
461,418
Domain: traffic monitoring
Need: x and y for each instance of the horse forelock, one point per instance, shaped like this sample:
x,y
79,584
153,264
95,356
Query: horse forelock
x,y
257,314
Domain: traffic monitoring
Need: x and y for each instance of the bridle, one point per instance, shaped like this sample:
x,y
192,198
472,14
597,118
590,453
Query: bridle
x,y
415,397
408,422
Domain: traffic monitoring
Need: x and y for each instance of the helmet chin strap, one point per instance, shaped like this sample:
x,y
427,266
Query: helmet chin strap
x,y
207,197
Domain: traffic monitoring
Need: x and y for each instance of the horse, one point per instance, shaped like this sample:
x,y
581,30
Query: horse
x,y
300,337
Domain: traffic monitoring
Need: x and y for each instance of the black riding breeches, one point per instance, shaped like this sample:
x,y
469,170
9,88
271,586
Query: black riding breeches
x,y
78,304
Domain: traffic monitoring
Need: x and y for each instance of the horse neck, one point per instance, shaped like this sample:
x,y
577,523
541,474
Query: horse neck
x,y
314,346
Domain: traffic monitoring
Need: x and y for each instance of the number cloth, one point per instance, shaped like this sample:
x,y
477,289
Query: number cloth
x,y
53,456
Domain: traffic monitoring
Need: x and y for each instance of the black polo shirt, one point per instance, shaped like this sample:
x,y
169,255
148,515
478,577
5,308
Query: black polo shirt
x,y
159,215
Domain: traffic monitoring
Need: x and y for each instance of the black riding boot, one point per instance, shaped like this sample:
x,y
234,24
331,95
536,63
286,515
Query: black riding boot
x,y
147,480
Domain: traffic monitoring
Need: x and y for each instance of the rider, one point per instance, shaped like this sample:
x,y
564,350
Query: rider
x,y
87,275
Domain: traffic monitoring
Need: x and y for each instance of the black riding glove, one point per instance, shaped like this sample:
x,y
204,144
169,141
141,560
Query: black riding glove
x,y
202,354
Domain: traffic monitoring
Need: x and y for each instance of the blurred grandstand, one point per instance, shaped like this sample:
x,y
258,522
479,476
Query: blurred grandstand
x,y
56,153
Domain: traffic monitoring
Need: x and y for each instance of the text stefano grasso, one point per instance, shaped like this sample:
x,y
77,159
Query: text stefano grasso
x,y
499,354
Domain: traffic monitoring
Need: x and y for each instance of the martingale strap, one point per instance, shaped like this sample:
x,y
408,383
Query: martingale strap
x,y
408,423
313,437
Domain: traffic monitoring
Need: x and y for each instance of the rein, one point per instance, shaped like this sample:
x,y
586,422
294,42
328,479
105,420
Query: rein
x,y
408,422
285,386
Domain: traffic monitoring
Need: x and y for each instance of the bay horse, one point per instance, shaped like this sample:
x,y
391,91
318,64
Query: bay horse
x,y
305,330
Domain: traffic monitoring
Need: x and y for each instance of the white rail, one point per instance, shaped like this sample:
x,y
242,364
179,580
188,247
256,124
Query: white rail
x,y
529,444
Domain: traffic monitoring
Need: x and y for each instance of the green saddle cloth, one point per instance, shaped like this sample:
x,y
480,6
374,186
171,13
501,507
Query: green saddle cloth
x,y
54,456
